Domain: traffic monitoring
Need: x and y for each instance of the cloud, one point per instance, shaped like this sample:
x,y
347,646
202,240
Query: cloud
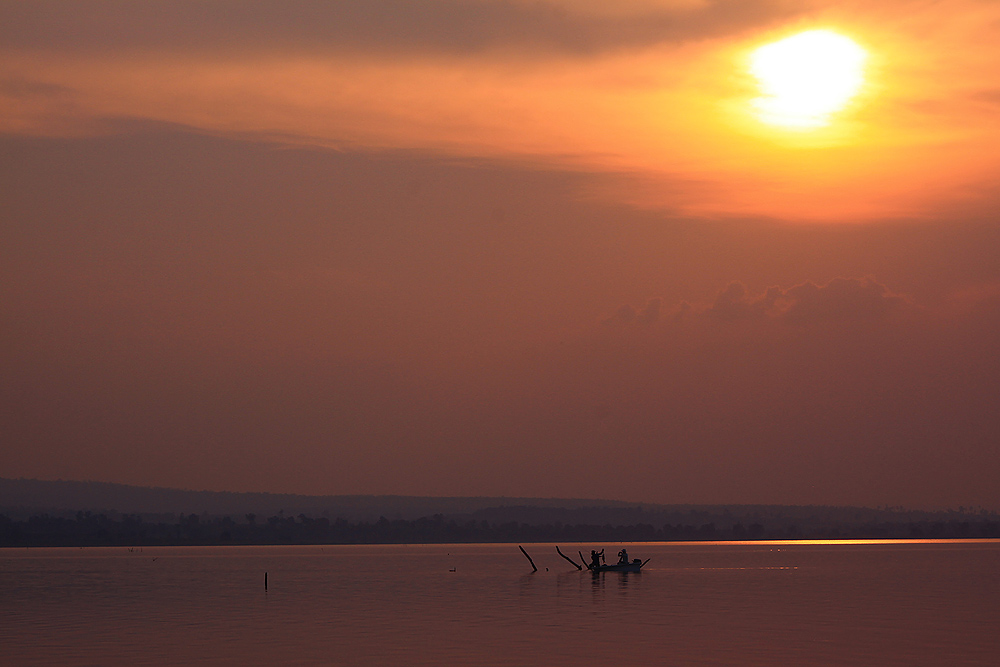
x,y
652,92
22,88
388,26
645,316
651,312
683,310
990,96
841,299
734,303
624,315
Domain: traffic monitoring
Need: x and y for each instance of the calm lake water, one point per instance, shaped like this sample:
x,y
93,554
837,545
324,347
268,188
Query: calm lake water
x,y
790,603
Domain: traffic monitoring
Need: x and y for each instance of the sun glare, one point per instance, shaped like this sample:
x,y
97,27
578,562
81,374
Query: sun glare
x,y
806,78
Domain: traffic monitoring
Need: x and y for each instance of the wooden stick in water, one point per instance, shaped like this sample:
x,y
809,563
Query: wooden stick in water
x,y
568,558
533,568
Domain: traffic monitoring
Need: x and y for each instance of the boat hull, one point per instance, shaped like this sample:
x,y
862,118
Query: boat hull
x,y
627,567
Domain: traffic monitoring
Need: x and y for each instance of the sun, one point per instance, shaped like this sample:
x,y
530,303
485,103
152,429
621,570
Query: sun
x,y
806,78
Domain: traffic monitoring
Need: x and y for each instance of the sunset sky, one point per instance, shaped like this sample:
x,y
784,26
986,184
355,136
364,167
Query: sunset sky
x,y
523,248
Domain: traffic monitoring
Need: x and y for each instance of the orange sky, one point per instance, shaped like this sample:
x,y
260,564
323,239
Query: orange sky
x,y
564,84
469,247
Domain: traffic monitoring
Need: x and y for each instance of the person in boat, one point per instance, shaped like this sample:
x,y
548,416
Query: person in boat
x,y
623,557
595,558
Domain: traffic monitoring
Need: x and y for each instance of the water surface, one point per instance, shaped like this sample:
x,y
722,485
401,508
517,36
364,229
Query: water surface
x,y
798,603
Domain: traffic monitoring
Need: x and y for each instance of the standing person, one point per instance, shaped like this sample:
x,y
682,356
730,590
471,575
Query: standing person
x,y
595,558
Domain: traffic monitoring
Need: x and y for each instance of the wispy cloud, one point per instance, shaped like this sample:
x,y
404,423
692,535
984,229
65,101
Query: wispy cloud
x,y
411,27
654,93
839,300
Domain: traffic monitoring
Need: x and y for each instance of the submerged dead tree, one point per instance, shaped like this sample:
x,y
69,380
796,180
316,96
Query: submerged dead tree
x,y
569,559
533,568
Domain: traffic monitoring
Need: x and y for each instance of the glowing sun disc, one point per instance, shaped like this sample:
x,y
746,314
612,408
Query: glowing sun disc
x,y
806,78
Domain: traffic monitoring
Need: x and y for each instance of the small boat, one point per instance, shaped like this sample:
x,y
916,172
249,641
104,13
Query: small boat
x,y
634,566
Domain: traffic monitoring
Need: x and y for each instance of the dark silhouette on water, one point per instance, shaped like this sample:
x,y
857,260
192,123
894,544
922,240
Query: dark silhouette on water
x,y
533,568
623,564
134,531
575,564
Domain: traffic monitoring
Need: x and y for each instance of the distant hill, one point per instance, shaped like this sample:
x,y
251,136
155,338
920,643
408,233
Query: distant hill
x,y
43,513
20,498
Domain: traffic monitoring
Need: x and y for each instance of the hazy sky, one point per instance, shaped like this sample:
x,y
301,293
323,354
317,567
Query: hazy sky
x,y
457,247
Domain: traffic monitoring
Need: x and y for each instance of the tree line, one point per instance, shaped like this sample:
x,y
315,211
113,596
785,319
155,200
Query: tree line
x,y
88,529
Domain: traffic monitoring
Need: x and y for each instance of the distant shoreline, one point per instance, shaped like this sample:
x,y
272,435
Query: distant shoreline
x,y
88,529
68,513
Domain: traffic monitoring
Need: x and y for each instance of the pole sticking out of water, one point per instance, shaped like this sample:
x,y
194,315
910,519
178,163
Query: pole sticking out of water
x,y
533,568
265,581
575,564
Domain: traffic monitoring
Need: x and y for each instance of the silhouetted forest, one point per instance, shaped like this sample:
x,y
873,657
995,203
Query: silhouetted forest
x,y
61,513
88,529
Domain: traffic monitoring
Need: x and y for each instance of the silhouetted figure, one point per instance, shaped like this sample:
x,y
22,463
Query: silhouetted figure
x,y
623,557
595,558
